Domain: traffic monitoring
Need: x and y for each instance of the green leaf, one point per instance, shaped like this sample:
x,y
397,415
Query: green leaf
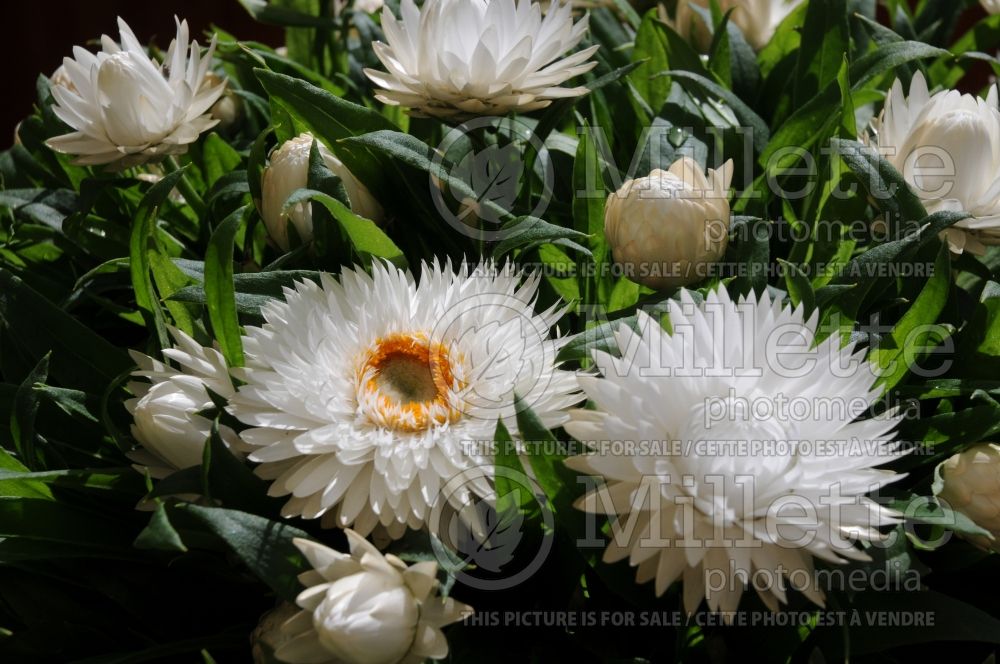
x,y
930,511
750,254
365,236
528,232
169,279
510,496
553,116
800,290
275,14
651,54
231,482
800,129
123,480
893,358
868,271
327,116
219,158
80,357
415,153
220,294
264,546
256,164
746,115
253,289
18,486
59,522
22,423
141,243
885,185
951,430
159,534
848,119
826,41
556,480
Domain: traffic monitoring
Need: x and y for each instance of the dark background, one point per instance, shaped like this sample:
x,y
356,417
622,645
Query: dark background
x,y
40,33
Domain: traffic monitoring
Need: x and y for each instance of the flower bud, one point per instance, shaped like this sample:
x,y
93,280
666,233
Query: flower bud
x,y
991,6
756,19
668,228
366,608
970,484
229,109
269,635
165,412
287,172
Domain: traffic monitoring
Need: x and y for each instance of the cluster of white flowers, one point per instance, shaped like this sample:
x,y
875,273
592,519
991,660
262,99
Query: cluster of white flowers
x,y
360,391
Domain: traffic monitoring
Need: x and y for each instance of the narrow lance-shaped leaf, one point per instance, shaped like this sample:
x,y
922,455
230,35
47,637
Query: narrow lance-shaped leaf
x,y
220,293
143,232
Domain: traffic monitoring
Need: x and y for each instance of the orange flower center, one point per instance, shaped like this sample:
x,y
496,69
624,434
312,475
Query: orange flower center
x,y
404,383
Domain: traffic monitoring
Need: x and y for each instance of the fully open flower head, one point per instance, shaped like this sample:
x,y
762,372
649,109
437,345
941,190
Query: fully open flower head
x,y
166,409
461,58
366,608
367,394
746,458
947,146
126,109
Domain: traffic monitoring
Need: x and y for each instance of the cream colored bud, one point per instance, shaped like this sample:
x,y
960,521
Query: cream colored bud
x,y
366,608
287,172
667,229
971,485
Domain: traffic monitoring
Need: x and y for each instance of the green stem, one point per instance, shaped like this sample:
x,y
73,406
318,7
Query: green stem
x,y
187,190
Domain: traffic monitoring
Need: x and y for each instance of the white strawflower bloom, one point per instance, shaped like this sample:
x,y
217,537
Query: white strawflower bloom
x,y
747,458
287,171
947,146
757,19
367,608
991,6
166,409
669,228
460,58
61,77
127,109
971,485
368,394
